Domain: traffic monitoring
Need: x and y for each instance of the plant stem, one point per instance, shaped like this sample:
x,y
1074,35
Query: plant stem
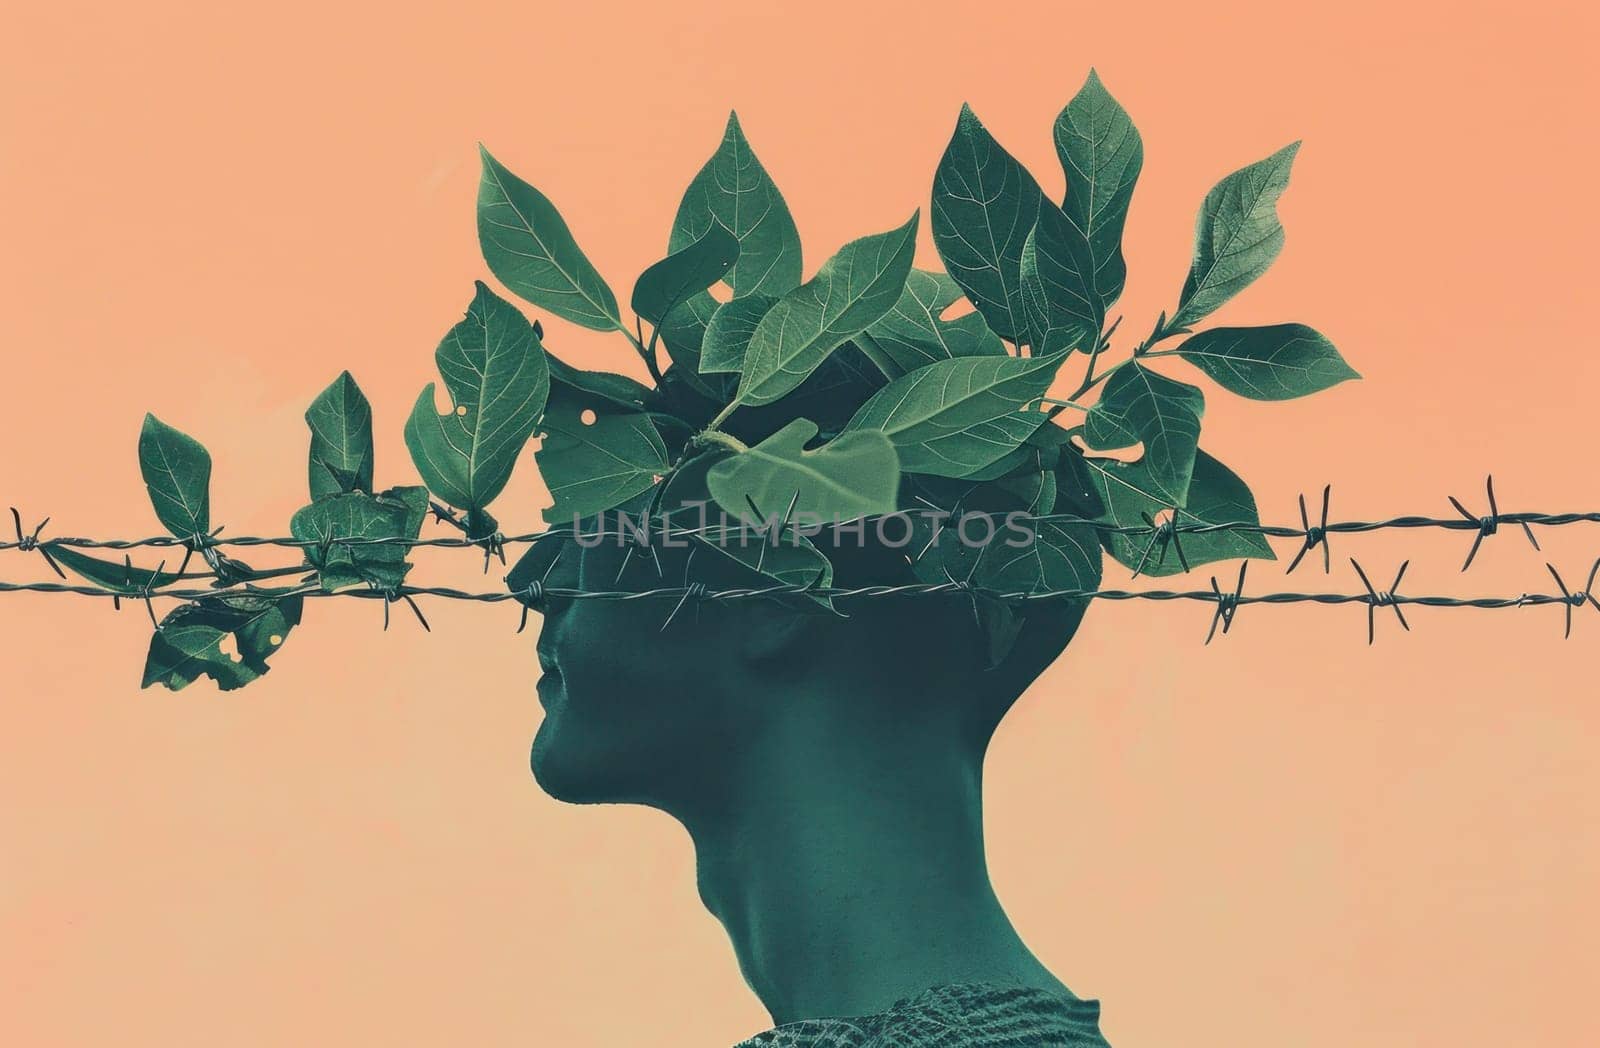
x,y
1159,334
646,355
715,436
722,416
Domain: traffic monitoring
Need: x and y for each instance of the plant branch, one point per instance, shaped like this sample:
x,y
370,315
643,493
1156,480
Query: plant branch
x,y
646,355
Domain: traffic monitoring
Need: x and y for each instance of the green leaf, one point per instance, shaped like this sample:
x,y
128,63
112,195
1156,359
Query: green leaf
x,y
1142,406
528,246
1236,237
1065,308
733,191
791,560
984,204
953,417
123,577
1013,557
914,332
1060,556
744,556
1279,362
189,640
852,289
1102,154
619,390
729,332
495,371
684,273
684,331
595,454
1216,496
341,439
1036,489
393,514
853,475
177,473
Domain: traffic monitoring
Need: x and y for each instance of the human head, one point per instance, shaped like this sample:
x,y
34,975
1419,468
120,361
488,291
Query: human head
x,y
641,713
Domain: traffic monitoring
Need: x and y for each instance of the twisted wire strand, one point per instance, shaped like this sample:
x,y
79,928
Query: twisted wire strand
x,y
836,592
528,538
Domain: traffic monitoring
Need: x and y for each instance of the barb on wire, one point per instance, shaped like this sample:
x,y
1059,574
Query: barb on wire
x,y
1227,603
493,544
30,542
695,591
1163,535
1487,525
1315,534
1576,600
532,597
390,596
1389,598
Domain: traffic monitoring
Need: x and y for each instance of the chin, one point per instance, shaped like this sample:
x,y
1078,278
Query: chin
x,y
549,771
574,766
568,771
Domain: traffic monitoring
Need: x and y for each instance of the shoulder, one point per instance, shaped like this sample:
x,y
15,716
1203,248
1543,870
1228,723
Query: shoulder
x,y
982,1015
965,1016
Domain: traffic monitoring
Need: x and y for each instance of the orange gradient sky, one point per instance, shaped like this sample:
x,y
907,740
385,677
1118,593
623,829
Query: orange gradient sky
x,y
1285,838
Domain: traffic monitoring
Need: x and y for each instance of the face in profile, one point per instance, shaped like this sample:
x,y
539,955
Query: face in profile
x,y
636,713
632,712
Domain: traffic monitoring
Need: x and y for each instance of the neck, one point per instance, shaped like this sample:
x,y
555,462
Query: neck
x,y
848,867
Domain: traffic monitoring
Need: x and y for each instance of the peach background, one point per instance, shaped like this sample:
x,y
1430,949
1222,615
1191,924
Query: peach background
x,y
1287,838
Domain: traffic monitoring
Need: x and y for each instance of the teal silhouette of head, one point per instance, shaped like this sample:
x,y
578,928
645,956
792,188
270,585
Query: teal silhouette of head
x,y
662,698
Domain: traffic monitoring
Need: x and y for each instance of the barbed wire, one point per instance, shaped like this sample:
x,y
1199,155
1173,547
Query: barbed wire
x,y
1225,602
1160,536
1164,532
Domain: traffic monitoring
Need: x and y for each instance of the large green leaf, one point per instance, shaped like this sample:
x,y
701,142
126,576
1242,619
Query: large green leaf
x,y
856,474
189,640
1279,362
177,473
946,418
341,439
984,203
742,555
612,388
1143,406
1236,237
729,332
1128,493
733,191
528,246
914,332
595,454
117,576
1065,307
686,272
852,289
393,514
983,451
494,368
1102,154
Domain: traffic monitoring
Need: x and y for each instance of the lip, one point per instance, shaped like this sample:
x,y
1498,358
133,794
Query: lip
x,y
549,688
